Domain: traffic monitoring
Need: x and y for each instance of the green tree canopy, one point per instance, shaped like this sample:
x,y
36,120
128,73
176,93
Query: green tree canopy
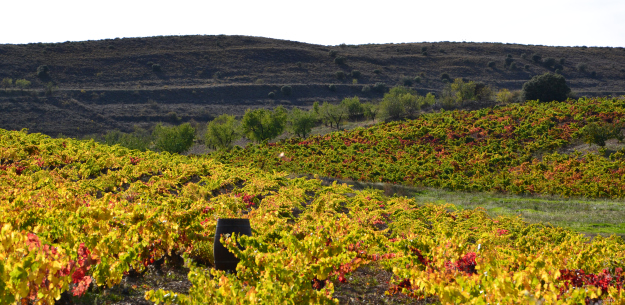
x,y
223,131
353,106
301,122
262,124
546,88
175,139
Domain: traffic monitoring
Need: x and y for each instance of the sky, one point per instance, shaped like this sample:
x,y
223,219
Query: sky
x,y
536,22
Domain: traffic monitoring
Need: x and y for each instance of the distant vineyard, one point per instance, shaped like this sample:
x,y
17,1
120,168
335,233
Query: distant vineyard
x,y
485,150
77,213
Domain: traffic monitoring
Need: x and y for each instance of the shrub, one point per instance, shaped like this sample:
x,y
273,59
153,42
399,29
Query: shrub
x,y
581,67
536,58
483,92
508,61
339,74
366,89
558,67
217,75
380,87
424,53
340,60
286,90
509,56
299,64
504,96
22,84
562,61
595,133
173,117
175,139
491,64
156,68
593,74
424,49
332,87
524,55
546,88
377,71
355,74
222,131
445,76
513,66
271,94
549,62
7,82
332,53
139,139
42,71
50,89
406,81
527,67
417,79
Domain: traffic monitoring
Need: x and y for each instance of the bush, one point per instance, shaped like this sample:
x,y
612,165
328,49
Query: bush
x,y
340,60
22,84
508,61
406,81
156,68
139,139
417,79
536,58
558,67
271,94
491,64
581,67
332,53
424,49
222,131
50,89
173,117
299,64
513,66
42,71
339,74
558,71
527,67
593,74
355,74
332,88
424,53
509,56
595,133
366,89
546,88
380,87
354,108
445,76
377,71
7,82
562,61
524,55
504,96
286,90
175,139
549,62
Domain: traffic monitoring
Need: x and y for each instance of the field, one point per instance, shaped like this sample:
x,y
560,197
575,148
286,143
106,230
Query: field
x,y
83,222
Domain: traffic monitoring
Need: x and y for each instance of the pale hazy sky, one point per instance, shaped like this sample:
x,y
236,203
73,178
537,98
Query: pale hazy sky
x,y
544,22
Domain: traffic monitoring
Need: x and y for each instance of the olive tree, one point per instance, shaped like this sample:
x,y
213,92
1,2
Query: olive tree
x,y
262,124
223,131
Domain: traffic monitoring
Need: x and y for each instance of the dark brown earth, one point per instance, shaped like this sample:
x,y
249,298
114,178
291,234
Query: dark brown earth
x,y
110,84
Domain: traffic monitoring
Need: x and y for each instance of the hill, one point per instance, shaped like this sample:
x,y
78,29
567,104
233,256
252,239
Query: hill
x,y
107,84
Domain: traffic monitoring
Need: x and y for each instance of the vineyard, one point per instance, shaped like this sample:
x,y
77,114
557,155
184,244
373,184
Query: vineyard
x,y
78,214
511,149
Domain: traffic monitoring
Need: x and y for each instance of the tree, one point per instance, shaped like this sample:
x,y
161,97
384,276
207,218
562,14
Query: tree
x,y
223,131
353,106
175,139
334,114
595,133
464,91
262,124
301,122
6,83
546,87
371,111
393,103
23,84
